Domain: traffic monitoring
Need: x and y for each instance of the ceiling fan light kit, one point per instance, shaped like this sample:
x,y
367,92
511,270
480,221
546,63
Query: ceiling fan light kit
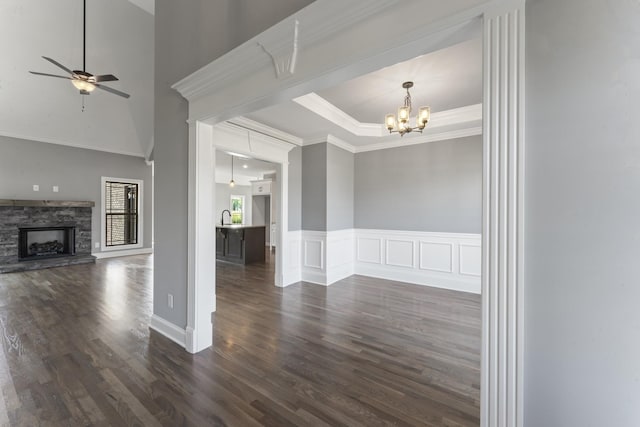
x,y
82,80
401,125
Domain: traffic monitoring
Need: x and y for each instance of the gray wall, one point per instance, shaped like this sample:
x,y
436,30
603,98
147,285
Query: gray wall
x,y
433,187
76,171
188,35
340,188
314,187
295,189
582,329
223,201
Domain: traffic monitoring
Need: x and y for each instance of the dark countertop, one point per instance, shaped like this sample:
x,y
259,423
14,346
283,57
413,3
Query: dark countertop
x,y
235,226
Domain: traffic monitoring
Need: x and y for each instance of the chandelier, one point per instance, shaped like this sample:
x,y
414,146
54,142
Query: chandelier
x,y
402,125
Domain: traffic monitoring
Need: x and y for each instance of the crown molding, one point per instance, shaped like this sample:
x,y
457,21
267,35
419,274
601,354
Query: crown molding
x,y
312,24
249,124
331,139
323,108
423,139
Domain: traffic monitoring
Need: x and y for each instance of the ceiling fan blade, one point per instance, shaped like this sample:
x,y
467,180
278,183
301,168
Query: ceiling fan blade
x,y
113,91
49,75
56,63
106,78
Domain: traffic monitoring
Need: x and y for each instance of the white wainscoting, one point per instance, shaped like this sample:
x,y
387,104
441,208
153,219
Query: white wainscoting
x,y
325,257
292,265
442,260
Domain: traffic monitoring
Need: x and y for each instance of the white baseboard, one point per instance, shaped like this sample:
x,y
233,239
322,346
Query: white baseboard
x,y
124,252
168,329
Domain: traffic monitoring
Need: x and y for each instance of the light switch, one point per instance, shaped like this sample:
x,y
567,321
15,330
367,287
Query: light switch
x,y
55,189
36,187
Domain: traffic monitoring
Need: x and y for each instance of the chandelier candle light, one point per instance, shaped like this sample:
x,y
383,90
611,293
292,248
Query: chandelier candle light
x,y
402,126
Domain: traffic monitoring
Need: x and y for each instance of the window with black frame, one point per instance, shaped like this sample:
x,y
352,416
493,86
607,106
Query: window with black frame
x,y
121,213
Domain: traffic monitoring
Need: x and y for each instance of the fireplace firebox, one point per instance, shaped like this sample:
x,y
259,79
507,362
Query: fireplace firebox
x,y
46,242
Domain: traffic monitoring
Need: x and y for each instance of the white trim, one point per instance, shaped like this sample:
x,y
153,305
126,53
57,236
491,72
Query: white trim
x,y
422,266
266,130
502,372
317,23
323,108
168,329
242,81
319,263
125,252
103,213
69,144
410,262
422,139
411,268
461,269
396,143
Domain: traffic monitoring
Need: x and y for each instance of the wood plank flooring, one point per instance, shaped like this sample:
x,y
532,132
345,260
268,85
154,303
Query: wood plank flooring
x,y
76,350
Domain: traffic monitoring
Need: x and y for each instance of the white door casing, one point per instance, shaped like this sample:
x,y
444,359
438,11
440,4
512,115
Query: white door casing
x,y
241,82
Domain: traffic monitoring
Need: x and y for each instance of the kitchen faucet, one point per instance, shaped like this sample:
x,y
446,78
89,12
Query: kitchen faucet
x,y
222,216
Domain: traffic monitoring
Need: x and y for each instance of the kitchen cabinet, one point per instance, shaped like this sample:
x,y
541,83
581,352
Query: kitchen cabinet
x,y
261,188
240,244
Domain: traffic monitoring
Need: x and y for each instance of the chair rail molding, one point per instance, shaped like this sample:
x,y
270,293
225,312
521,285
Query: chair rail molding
x,y
332,49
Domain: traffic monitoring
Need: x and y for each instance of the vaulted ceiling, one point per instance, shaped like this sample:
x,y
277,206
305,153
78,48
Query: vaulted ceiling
x,y
120,41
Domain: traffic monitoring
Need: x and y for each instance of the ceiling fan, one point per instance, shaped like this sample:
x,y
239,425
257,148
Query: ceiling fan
x,y
82,80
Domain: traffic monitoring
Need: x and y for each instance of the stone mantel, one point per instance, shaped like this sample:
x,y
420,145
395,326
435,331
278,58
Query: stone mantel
x,y
48,203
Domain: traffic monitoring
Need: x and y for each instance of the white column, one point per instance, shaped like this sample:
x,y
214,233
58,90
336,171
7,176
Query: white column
x,y
201,294
503,215
282,227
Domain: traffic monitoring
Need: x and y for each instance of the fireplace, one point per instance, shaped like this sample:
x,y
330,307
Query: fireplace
x,y
46,242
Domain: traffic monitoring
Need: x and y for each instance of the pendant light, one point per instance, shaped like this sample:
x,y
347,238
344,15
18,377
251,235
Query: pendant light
x,y
232,183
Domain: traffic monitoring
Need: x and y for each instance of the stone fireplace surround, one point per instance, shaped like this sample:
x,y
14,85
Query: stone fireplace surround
x,y
16,214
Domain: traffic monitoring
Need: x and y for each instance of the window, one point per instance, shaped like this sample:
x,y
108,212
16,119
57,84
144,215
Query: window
x,y
122,217
237,209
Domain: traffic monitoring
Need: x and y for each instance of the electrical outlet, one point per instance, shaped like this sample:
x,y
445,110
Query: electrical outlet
x,y
170,300
96,245
36,187
55,189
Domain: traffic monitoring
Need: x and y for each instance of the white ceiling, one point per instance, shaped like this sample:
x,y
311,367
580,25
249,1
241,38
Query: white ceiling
x,y
444,79
255,169
120,41
448,80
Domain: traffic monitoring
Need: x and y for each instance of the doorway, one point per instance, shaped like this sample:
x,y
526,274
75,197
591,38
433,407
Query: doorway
x,y
213,99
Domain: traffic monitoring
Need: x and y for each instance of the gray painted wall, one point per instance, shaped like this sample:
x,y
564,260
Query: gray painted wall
x,y
76,171
582,326
340,188
433,187
223,201
314,187
295,189
188,35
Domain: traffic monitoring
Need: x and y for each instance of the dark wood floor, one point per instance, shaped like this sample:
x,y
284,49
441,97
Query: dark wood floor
x,y
76,350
